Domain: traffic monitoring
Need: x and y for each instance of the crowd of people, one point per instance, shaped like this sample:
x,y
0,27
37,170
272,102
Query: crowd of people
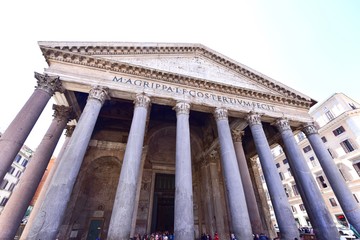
x,y
155,236
205,236
170,236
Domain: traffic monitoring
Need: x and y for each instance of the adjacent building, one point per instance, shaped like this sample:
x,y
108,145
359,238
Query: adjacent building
x,y
13,175
338,120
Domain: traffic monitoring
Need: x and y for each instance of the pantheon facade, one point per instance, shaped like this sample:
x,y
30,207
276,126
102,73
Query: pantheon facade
x,y
161,137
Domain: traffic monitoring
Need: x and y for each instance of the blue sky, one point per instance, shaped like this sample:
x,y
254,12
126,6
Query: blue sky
x,y
311,46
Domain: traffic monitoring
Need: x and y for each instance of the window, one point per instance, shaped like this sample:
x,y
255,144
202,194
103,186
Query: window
x,y
18,174
307,149
346,145
356,199
289,171
301,136
24,163
352,105
11,170
278,165
3,201
302,208
342,174
285,161
331,153
281,176
293,209
324,139
11,187
3,184
329,115
321,181
17,158
333,202
286,192
339,131
313,162
357,168
295,190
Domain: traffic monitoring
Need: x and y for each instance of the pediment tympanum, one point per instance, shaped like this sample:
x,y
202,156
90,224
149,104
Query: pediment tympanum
x,y
173,72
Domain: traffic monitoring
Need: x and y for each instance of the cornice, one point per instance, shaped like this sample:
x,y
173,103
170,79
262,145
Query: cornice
x,y
339,119
89,56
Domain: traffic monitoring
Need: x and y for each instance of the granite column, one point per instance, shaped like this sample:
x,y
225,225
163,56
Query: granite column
x,y
183,208
342,192
324,226
15,135
49,218
40,199
251,202
240,221
282,208
121,217
15,209
216,193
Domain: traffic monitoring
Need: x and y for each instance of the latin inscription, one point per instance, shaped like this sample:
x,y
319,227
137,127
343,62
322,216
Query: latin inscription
x,y
193,93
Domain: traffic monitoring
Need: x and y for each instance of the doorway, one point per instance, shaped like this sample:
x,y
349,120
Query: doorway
x,y
163,203
95,229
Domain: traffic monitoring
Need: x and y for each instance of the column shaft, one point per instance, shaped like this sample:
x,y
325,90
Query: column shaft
x,y
15,209
207,199
282,209
218,200
121,217
46,185
183,212
342,192
15,135
240,220
324,226
251,202
49,218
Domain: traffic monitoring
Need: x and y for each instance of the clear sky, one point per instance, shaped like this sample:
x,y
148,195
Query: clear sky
x,y
311,46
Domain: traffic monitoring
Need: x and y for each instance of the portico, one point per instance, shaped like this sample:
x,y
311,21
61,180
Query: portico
x,y
146,112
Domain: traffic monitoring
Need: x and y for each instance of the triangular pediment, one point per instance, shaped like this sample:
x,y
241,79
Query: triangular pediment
x,y
196,66
186,61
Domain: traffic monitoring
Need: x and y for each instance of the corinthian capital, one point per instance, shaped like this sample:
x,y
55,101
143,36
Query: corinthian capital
x,y
282,124
69,130
99,93
213,156
237,134
253,118
182,108
309,128
62,112
50,84
221,114
142,100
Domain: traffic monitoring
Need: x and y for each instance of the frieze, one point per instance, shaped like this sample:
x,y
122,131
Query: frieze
x,y
309,129
142,84
82,57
